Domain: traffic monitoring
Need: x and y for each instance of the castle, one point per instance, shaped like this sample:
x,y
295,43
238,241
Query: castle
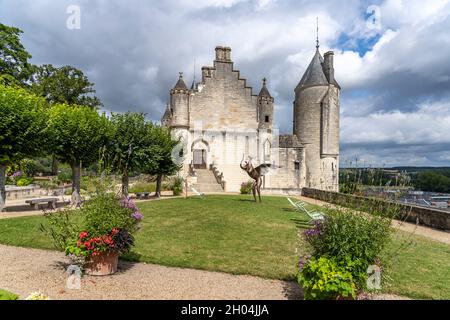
x,y
219,120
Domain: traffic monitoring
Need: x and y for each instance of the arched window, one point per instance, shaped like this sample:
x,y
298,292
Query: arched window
x,y
267,147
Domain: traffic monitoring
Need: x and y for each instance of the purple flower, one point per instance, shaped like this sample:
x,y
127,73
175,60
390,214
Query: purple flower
x,y
302,261
17,174
137,215
127,203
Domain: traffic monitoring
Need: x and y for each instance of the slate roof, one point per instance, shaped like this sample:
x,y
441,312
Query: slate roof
x,y
168,114
264,91
314,75
180,83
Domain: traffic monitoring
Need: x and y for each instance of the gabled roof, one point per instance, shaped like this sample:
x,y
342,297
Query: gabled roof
x,y
314,75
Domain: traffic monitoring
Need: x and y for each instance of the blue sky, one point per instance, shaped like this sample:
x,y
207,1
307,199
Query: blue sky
x,y
394,70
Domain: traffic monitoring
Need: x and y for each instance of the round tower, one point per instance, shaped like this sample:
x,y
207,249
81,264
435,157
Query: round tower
x,y
265,108
316,122
265,123
179,104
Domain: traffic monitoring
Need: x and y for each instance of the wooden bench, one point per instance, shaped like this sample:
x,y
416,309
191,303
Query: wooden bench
x,y
50,201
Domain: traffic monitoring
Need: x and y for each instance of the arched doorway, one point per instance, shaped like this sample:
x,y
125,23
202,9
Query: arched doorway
x,y
200,150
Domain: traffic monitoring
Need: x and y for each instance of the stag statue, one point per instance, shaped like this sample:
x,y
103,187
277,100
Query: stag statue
x,y
256,174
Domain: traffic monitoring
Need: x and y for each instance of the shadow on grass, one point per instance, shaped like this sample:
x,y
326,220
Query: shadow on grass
x,y
301,224
245,200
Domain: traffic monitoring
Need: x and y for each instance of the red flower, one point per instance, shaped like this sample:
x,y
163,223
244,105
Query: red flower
x,y
83,235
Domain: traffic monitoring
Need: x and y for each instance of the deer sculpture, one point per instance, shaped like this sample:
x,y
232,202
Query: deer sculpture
x,y
256,174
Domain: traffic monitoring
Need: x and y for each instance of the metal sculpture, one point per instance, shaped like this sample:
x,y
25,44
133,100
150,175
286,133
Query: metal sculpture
x,y
256,174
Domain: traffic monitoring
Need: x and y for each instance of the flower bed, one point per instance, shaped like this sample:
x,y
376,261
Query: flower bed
x,y
104,232
345,246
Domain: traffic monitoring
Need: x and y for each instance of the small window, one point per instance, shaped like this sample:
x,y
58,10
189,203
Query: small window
x,y
181,153
267,119
297,165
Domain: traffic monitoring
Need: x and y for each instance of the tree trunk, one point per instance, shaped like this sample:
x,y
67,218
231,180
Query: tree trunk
x,y
125,183
2,187
158,185
76,177
55,164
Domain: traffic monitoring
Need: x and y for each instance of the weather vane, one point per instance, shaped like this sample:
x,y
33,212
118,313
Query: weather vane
x,y
317,33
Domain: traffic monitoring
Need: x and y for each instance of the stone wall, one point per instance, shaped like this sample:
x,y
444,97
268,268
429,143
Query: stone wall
x,y
224,102
429,217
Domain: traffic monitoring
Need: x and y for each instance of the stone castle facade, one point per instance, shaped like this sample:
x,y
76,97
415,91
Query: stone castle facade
x,y
220,120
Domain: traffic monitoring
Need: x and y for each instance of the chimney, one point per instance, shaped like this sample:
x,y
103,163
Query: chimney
x,y
328,66
223,54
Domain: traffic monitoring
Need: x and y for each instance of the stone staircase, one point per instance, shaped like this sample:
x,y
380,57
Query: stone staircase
x,y
206,182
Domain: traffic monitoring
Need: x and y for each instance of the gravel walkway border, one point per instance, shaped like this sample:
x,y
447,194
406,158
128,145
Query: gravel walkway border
x,y
24,270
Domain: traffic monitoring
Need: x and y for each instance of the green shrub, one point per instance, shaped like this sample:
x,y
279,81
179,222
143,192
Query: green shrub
x,y
143,187
24,181
5,295
47,184
354,240
324,279
65,176
177,186
104,223
246,187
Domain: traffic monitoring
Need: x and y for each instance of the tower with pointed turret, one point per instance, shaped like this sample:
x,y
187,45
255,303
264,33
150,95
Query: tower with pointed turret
x,y
316,122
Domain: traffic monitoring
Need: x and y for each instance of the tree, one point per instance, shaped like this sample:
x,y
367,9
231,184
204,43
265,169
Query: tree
x,y
23,129
161,162
64,85
433,181
78,135
14,65
128,149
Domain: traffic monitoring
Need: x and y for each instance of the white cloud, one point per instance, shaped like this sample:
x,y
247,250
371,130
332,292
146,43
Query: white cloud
x,y
430,124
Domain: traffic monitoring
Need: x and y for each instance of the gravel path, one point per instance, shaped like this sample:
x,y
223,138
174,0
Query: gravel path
x,y
23,271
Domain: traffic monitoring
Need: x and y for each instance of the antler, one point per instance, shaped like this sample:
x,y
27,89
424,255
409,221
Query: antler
x,y
242,167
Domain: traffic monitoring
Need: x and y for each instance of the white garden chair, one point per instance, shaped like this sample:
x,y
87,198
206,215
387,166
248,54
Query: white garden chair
x,y
200,194
301,207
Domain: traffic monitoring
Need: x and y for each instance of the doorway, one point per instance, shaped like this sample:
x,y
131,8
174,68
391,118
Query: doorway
x,y
200,159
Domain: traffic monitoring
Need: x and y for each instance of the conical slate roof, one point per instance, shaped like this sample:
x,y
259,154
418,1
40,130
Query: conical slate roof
x,y
168,113
264,91
314,75
180,83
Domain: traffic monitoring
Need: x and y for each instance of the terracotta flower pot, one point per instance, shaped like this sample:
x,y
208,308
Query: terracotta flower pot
x,y
103,264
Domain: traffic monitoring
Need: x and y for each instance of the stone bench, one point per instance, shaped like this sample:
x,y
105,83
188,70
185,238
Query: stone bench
x,y
35,202
143,195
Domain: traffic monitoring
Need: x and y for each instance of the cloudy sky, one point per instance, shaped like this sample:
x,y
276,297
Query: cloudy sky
x,y
392,59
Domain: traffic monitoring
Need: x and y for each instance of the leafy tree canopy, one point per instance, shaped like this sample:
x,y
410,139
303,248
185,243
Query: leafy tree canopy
x,y
23,128
14,65
78,133
161,150
64,85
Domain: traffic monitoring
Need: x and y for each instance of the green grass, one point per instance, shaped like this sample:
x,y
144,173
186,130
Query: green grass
x,y
420,270
235,235
6,295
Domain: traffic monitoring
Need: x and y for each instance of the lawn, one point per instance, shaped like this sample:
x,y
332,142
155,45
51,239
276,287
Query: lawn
x,y
6,295
235,235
